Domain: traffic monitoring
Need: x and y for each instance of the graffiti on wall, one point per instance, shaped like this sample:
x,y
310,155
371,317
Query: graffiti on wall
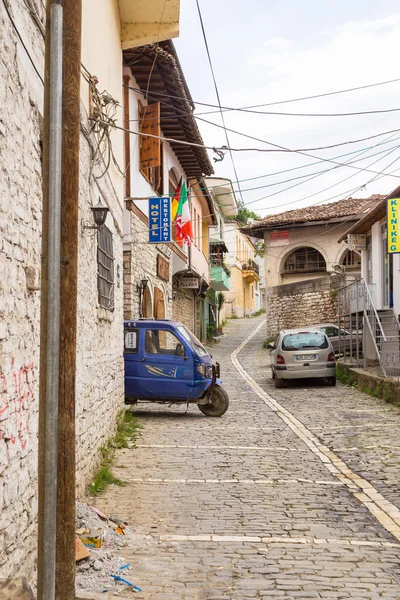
x,y
16,397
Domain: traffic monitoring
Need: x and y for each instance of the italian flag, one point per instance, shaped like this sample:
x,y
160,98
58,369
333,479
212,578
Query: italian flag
x,y
183,223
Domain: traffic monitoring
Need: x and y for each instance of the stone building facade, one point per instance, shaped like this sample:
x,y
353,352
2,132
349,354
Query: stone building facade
x,y
99,378
144,261
20,256
241,300
154,168
302,244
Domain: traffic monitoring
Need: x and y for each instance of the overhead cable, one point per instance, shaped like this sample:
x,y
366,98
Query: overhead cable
x,y
193,144
22,42
218,97
248,108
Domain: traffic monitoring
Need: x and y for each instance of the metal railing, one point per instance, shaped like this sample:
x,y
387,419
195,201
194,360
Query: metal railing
x,y
355,304
251,266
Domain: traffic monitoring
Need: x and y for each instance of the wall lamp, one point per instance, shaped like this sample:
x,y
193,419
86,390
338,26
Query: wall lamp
x,y
99,216
140,288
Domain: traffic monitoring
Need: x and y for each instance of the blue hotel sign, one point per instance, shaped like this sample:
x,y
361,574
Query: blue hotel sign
x,y
159,220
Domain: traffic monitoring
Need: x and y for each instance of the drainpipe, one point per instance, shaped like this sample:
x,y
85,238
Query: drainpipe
x,y
48,514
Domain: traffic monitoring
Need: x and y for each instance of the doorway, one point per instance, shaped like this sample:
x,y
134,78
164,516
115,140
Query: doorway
x,y
387,270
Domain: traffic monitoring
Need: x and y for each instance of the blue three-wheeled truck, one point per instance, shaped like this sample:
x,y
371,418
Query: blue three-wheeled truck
x,y
166,363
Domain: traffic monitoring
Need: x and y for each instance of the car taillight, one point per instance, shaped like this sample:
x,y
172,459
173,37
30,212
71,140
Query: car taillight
x,y
331,357
280,360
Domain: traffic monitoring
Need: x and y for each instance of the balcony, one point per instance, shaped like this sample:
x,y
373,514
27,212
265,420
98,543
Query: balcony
x,y
251,271
219,276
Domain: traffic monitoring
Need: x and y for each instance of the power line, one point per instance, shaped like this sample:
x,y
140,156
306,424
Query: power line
x,y
193,144
273,174
322,172
277,147
325,189
22,41
217,93
248,108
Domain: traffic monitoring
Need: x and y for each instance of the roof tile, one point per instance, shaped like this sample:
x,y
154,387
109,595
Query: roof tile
x,y
322,212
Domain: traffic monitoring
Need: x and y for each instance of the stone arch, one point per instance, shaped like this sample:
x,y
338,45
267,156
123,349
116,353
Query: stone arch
x,y
350,259
159,303
304,258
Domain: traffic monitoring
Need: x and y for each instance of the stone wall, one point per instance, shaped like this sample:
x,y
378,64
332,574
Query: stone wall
x,y
99,384
302,304
183,307
100,367
20,248
140,262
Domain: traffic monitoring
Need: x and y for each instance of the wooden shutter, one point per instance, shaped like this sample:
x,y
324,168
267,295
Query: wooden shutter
x,y
150,148
159,305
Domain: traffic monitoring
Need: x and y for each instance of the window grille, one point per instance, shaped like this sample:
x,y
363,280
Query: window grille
x,y
105,268
352,259
305,259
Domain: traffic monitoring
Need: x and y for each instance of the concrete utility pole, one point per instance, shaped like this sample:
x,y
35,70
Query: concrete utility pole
x,y
64,573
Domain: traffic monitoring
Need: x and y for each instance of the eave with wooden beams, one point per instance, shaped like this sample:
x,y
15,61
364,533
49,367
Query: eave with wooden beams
x,y
156,68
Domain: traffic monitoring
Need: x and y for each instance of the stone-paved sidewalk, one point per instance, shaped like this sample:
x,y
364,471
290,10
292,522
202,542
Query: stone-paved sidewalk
x,y
241,507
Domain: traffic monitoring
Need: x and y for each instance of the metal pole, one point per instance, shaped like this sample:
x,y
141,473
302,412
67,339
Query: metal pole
x,y
50,353
204,332
339,324
351,336
357,327
364,343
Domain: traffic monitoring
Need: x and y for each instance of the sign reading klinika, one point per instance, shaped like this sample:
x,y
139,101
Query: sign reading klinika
x,y
393,229
159,220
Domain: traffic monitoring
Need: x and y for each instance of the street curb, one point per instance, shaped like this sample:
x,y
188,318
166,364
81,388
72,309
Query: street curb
x,y
374,385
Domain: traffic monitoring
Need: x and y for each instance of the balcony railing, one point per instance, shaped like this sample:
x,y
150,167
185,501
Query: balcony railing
x,y
251,266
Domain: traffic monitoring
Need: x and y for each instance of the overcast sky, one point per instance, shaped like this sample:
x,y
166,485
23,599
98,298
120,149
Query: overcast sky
x,y
267,51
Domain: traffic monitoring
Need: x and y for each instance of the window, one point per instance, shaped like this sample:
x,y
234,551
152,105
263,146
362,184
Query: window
x,y
105,268
131,341
160,341
194,343
330,331
304,259
151,149
352,260
305,340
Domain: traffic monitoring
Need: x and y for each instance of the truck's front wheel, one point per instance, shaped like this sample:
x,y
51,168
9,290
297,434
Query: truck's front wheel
x,y
219,403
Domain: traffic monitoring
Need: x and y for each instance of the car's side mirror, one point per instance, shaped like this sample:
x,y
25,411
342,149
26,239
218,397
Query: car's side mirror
x,y
270,346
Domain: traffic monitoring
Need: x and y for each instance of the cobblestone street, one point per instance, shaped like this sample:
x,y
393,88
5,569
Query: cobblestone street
x,y
293,493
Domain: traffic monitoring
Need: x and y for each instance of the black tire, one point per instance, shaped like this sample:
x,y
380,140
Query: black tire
x,y
219,403
332,380
273,373
279,383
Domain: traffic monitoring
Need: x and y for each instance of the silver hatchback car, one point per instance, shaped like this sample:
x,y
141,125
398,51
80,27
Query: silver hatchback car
x,y
302,353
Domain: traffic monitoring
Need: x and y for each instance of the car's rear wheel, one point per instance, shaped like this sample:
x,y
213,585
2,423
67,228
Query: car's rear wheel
x,y
219,403
279,383
332,380
273,373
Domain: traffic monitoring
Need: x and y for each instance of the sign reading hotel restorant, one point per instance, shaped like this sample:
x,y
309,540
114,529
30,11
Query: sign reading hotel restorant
x,y
393,229
159,220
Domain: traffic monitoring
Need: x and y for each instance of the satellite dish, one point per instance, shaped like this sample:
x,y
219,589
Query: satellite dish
x,y
339,268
